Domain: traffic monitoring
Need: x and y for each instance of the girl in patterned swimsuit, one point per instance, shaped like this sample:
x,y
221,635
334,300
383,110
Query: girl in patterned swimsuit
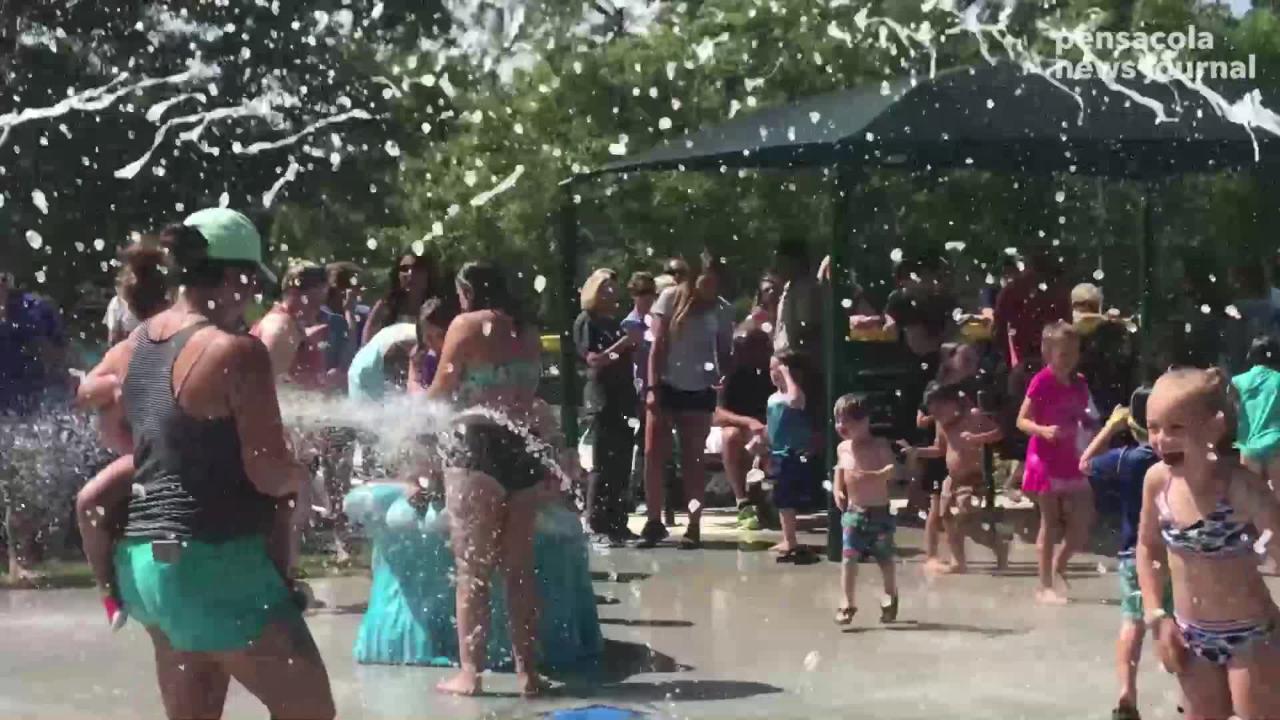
x,y
1201,515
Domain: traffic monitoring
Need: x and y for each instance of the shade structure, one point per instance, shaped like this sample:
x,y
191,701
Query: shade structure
x,y
997,117
994,117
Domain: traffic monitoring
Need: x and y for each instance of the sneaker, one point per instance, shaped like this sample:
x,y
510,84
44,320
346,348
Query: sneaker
x,y
748,519
653,533
889,609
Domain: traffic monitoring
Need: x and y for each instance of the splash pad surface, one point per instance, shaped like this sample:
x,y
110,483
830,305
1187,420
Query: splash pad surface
x,y
722,633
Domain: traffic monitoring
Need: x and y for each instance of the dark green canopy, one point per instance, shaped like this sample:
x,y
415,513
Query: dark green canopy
x,y
990,117
993,117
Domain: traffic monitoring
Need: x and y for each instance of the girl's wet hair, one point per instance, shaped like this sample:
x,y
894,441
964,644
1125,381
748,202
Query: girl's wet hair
x,y
1056,333
489,290
144,278
1213,391
1265,351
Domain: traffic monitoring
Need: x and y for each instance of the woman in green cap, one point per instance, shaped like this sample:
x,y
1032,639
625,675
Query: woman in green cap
x,y
212,466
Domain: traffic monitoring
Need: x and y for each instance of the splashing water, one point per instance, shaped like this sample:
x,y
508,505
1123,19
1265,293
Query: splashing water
x,y
406,430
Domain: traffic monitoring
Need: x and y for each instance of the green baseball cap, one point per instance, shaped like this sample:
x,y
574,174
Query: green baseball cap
x,y
231,236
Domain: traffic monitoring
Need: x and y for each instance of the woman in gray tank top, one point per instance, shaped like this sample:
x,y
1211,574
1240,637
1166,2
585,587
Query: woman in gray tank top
x,y
215,472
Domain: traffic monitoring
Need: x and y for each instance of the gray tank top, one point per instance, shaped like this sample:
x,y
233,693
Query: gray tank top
x,y
192,480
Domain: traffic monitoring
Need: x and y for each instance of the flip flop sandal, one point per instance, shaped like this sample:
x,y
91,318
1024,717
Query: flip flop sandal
x,y
787,556
844,615
804,556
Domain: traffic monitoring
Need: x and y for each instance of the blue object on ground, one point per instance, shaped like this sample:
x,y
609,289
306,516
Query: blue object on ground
x,y
595,712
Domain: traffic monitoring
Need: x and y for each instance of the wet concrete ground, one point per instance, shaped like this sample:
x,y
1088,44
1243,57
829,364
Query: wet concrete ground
x,y
724,633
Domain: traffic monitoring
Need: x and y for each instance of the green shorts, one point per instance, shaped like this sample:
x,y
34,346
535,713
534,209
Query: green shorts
x,y
1131,595
212,597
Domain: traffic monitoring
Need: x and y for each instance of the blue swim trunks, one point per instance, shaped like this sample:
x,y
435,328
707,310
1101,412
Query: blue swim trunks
x,y
868,534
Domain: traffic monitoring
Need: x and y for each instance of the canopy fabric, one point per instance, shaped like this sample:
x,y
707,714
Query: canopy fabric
x,y
993,117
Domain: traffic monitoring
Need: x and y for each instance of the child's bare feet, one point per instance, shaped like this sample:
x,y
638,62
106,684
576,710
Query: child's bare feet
x,y
464,683
1050,596
956,567
782,547
531,684
934,566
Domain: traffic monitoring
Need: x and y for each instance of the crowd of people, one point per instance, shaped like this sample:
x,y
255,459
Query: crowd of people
x,y
209,484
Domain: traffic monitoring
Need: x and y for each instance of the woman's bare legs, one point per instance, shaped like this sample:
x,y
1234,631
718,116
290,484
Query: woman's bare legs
x,y
99,510
1254,679
284,670
736,460
477,504
193,686
693,428
657,450
522,585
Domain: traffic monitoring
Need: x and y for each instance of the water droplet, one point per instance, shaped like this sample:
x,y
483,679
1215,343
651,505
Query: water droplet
x,y
1260,546
40,201
1060,196
694,506
709,367
1205,309
812,660
1232,311
487,328
35,240
40,276
1098,274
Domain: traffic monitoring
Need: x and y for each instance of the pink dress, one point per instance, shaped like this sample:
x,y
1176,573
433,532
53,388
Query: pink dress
x,y
1054,466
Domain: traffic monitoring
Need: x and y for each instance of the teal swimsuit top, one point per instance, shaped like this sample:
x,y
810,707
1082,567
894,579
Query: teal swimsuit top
x,y
480,378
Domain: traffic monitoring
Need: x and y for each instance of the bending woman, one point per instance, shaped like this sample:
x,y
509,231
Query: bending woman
x,y
212,462
490,362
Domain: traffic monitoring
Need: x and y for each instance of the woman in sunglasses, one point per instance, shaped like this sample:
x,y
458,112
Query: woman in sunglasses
x,y
411,283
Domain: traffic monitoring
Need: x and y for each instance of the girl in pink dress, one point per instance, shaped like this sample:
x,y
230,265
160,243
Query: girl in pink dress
x,y
1055,414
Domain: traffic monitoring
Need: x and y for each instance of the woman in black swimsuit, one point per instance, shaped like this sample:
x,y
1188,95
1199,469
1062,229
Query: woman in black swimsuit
x,y
491,362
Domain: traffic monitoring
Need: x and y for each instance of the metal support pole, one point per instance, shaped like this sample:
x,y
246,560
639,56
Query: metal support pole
x,y
568,311
1146,273
834,330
